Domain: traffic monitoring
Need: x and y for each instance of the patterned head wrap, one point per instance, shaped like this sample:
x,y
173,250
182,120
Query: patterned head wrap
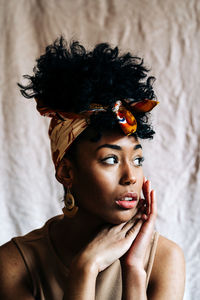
x,y
65,127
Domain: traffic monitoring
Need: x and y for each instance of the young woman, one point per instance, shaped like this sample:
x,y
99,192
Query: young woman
x,y
105,245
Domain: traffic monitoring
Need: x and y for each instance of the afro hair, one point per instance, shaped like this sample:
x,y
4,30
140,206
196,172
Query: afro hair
x,y
69,78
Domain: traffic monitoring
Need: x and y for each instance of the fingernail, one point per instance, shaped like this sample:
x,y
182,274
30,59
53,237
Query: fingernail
x,y
150,185
145,179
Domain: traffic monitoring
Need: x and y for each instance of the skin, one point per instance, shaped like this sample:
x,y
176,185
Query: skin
x,y
102,232
109,173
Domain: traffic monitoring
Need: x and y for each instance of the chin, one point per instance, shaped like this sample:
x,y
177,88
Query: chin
x,y
122,217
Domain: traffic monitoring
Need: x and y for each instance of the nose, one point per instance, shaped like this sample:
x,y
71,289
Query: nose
x,y
128,177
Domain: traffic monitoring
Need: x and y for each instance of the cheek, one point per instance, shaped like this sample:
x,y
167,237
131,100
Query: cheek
x,y
93,181
140,176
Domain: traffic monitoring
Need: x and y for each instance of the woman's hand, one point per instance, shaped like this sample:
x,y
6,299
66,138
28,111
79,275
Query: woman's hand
x,y
128,241
110,244
135,257
133,262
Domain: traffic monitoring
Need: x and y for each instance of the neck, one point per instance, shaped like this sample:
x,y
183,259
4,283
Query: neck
x,y
70,235
84,226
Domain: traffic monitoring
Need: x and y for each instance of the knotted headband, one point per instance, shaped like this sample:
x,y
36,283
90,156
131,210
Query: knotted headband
x,y
66,126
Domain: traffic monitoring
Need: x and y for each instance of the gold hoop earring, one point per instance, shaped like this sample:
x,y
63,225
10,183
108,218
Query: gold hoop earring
x,y
70,208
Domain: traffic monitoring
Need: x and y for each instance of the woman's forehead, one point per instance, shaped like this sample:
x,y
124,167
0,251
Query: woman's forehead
x,y
111,139
117,137
118,142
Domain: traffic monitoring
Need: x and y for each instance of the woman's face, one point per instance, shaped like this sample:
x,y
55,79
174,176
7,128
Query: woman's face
x,y
108,177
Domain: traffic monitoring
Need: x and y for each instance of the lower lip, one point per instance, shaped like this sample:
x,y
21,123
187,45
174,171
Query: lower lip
x,y
126,204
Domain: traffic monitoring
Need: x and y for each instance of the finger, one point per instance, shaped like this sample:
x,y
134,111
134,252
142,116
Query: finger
x,y
148,225
146,192
144,217
146,207
153,204
150,222
127,225
143,206
146,231
120,226
145,188
149,196
142,241
140,203
134,230
150,219
132,222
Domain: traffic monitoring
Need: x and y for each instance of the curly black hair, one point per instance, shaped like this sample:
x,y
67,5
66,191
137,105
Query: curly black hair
x,y
69,78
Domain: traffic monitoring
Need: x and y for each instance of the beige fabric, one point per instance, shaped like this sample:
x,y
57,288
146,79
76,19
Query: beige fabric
x,y
49,275
167,34
152,255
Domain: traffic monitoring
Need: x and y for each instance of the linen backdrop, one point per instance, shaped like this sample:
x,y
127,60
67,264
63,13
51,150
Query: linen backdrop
x,y
167,34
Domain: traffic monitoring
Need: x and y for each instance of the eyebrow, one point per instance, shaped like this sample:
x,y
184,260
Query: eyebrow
x,y
116,147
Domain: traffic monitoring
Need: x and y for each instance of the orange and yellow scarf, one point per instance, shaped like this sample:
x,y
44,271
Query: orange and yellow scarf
x,y
65,127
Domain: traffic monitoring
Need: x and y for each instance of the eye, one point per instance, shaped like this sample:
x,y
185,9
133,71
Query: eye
x,y
110,160
138,161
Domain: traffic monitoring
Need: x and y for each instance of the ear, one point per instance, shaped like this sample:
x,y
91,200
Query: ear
x,y
64,172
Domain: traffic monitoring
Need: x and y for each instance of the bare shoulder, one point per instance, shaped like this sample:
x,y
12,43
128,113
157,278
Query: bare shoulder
x,y
15,282
169,252
167,278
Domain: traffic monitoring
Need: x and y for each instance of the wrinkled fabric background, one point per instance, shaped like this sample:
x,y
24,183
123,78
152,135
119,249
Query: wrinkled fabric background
x,y
167,35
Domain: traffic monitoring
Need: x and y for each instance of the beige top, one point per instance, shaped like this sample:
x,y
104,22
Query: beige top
x,y
49,275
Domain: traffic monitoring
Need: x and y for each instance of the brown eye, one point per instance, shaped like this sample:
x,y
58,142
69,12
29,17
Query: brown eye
x,y
110,160
138,161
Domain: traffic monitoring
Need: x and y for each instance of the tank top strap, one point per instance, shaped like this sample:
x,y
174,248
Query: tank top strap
x,y
152,256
